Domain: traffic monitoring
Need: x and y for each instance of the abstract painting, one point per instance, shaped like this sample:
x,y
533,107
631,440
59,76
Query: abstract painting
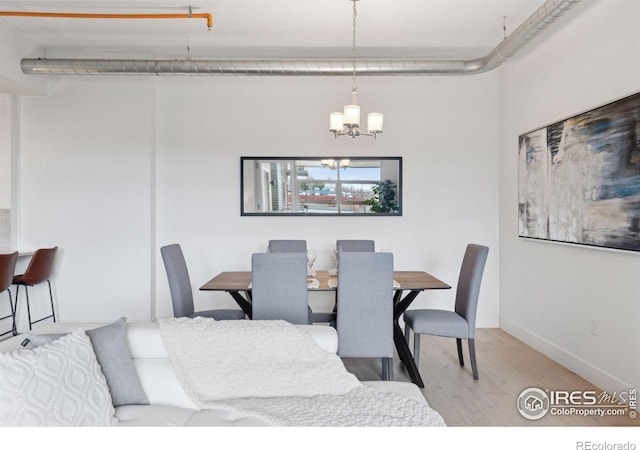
x,y
579,179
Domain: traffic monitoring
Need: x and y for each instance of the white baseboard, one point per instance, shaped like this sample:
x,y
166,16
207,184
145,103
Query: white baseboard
x,y
579,366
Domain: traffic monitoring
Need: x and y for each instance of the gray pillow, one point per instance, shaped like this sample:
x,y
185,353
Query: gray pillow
x,y
114,356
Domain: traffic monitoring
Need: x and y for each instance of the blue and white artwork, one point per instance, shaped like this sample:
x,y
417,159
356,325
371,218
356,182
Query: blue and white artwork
x,y
579,179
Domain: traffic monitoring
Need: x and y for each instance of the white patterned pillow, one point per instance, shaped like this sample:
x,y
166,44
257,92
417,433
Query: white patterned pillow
x,y
58,384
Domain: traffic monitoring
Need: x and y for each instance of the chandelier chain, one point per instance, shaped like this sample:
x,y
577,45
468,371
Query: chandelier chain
x,y
354,87
504,26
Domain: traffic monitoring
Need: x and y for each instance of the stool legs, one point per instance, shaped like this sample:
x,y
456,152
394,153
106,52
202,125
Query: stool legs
x,y
13,330
53,311
26,290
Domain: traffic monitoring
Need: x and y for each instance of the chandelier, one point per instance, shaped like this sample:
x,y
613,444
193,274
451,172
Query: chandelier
x,y
347,123
334,164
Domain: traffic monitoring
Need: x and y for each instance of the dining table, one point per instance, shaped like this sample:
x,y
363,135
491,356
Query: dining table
x,y
407,286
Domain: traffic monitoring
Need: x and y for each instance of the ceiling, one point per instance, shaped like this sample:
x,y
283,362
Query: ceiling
x,y
273,28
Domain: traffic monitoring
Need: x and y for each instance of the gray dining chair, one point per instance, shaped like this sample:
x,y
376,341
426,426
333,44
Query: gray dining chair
x,y
181,291
7,269
352,245
365,307
279,287
460,323
287,245
355,245
298,245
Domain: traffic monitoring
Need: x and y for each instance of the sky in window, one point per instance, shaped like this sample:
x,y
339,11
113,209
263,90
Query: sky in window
x,y
349,173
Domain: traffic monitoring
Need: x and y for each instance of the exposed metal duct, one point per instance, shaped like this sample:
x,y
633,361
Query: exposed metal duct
x,y
190,15
529,29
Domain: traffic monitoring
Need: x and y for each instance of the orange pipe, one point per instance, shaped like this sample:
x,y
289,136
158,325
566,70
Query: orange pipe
x,y
207,16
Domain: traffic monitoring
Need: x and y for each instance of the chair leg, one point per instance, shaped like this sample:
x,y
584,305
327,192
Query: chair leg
x,y
14,328
416,348
387,369
460,357
53,312
407,336
16,304
472,354
335,311
12,316
26,290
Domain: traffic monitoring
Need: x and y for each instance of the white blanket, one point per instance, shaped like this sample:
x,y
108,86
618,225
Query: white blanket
x,y
276,372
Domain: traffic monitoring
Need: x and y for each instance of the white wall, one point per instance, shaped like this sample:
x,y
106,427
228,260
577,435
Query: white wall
x,y
85,186
551,293
13,47
5,151
5,174
115,167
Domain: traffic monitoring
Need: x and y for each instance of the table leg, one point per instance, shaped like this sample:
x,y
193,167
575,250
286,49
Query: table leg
x,y
399,306
242,302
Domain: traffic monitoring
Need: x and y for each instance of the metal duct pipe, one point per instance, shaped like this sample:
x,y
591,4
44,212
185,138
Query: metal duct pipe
x,y
207,16
529,29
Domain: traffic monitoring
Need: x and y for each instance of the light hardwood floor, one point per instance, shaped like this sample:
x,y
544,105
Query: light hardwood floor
x,y
506,367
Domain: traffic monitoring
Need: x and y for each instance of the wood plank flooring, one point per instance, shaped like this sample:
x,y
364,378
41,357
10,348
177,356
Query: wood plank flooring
x,y
506,367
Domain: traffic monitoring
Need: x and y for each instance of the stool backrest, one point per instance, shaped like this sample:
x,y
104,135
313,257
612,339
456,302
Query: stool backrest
x,y
40,267
7,269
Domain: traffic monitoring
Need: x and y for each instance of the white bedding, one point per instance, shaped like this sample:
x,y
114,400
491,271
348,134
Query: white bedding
x,y
276,372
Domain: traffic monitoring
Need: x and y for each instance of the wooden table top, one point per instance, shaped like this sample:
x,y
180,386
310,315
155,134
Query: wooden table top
x,y
408,280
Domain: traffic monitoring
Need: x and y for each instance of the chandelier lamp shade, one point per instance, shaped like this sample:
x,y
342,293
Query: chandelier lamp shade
x,y
347,123
334,164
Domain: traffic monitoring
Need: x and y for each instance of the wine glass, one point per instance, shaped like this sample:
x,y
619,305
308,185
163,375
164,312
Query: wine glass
x,y
311,258
334,255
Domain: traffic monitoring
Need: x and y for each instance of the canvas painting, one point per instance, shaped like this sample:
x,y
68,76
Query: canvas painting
x,y
579,179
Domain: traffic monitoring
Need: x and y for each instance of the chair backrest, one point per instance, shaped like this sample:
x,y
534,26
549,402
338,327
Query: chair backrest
x,y
355,245
279,287
468,289
287,245
179,281
7,269
40,266
364,318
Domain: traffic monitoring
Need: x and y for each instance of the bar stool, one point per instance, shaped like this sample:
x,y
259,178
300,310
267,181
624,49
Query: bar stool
x,y
38,271
7,269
